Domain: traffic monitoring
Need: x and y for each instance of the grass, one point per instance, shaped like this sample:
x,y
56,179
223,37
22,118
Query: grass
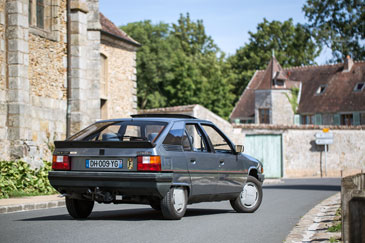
x,y
335,228
333,240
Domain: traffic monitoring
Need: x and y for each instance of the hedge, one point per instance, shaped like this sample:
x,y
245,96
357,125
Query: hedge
x,y
17,178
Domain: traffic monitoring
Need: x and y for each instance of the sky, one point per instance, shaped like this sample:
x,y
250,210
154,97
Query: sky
x,y
227,21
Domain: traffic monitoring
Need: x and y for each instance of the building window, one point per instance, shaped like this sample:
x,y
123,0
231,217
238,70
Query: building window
x,y
246,121
347,119
359,86
40,13
103,76
321,89
103,87
43,18
264,116
362,118
103,109
279,82
37,13
308,119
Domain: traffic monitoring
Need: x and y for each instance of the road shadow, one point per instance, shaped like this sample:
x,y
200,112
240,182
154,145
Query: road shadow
x,y
128,215
304,187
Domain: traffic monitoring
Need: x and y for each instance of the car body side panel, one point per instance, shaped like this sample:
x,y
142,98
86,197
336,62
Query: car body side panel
x,y
203,170
231,176
175,161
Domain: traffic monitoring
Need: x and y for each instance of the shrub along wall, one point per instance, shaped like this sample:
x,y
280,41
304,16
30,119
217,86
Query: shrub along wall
x,y
18,179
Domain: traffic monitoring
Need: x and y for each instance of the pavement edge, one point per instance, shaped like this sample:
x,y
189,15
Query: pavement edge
x,y
313,226
32,206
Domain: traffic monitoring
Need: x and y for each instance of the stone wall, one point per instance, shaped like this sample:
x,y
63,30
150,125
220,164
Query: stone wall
x,y
303,158
121,79
282,112
47,78
353,208
18,99
4,143
33,82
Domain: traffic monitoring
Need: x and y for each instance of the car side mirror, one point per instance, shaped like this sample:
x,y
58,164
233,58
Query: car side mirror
x,y
239,148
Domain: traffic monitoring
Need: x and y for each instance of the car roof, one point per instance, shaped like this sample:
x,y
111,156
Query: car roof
x,y
160,119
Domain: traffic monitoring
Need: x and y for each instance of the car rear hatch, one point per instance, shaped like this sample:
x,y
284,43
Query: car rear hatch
x,y
100,155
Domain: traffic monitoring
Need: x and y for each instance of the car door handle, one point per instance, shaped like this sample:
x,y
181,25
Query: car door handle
x,y
221,162
193,161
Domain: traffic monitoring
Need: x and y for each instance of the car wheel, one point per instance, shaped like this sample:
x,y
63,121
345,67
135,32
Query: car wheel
x,y
79,209
173,205
250,198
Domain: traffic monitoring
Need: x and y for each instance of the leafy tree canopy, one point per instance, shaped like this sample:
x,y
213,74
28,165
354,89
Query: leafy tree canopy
x,y
339,24
292,44
180,64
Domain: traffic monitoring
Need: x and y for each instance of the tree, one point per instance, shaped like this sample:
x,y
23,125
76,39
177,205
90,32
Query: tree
x,y
153,61
200,78
338,24
292,44
180,64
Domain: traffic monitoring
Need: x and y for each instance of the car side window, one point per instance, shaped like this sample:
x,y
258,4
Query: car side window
x,y
218,141
196,139
174,138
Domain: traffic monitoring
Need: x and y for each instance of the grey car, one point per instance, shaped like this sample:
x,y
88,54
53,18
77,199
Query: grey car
x,y
165,161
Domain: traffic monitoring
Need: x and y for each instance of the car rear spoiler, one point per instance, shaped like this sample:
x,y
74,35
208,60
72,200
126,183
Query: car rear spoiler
x,y
101,144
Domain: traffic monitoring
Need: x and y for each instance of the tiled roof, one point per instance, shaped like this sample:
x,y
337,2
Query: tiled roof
x,y
339,95
109,27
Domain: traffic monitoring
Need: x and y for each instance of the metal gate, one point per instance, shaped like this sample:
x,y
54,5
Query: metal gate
x,y
268,149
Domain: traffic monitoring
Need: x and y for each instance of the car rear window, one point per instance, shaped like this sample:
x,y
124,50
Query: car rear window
x,y
121,131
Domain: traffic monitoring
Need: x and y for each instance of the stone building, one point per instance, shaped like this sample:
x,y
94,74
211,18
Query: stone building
x,y
326,95
37,62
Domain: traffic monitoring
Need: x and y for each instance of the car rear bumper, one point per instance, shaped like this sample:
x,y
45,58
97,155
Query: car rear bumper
x,y
126,183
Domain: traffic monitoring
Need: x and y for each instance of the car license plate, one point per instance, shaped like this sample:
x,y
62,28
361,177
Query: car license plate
x,y
105,163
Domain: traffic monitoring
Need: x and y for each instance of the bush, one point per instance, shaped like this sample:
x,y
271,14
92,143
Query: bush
x,y
17,178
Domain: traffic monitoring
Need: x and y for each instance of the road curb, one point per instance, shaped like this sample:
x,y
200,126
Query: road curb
x,y
273,181
32,206
313,226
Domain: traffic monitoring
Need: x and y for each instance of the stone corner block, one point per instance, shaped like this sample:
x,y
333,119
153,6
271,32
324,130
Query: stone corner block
x,y
77,5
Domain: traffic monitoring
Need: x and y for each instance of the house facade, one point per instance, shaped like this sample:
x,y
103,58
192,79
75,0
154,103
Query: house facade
x,y
318,95
59,67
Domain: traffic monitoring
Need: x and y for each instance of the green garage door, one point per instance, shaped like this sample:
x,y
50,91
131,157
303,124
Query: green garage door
x,y
267,149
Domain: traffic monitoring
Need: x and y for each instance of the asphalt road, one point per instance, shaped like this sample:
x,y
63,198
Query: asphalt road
x,y
281,209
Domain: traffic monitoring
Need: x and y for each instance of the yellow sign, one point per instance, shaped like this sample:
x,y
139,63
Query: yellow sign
x,y
325,130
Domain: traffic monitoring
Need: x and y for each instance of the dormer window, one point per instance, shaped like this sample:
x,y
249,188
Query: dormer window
x,y
359,86
321,89
280,82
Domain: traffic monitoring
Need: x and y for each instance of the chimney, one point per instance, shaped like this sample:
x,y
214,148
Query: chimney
x,y
348,64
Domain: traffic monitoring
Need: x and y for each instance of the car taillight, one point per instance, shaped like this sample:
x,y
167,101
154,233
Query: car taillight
x,y
149,163
61,163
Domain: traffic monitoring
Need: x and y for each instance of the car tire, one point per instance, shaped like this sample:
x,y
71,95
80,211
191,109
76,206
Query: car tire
x,y
173,205
79,209
250,198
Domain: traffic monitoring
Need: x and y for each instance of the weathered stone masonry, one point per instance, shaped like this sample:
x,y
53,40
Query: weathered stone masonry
x,y
121,101
33,82
4,143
